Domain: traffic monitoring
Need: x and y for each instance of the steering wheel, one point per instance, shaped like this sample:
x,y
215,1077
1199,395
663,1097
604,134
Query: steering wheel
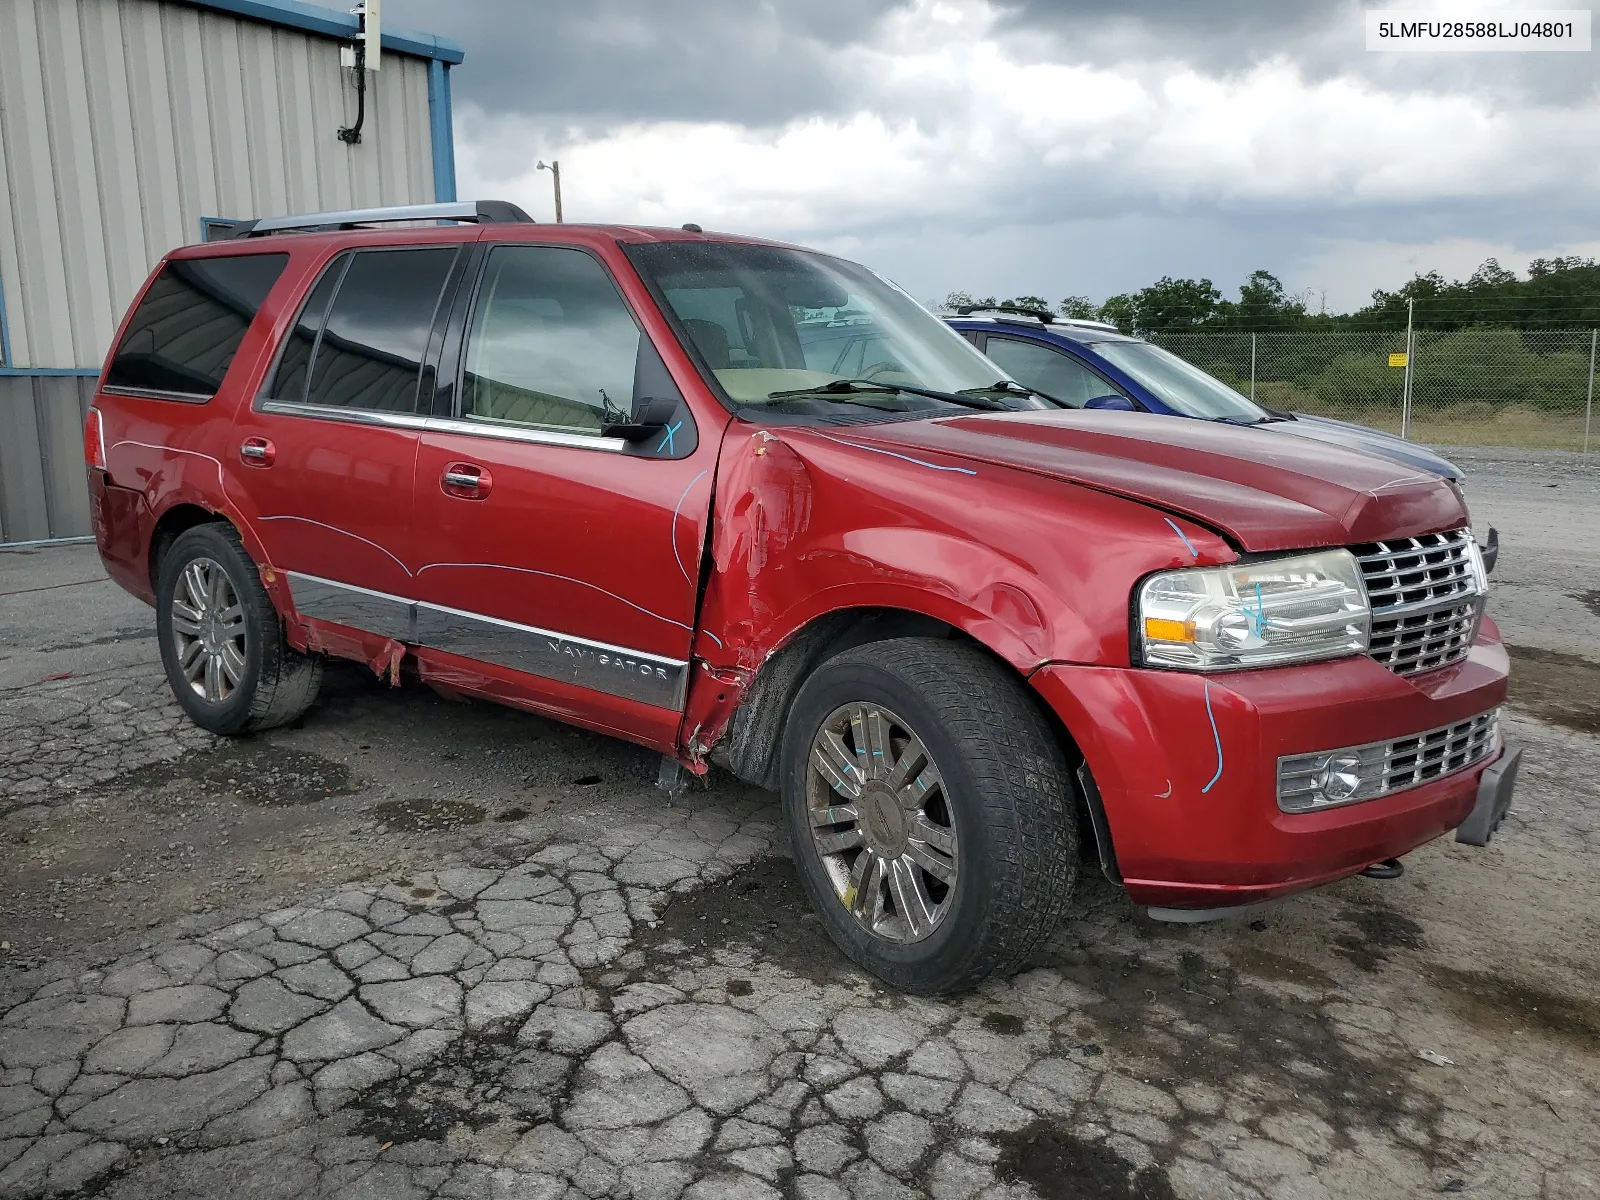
x,y
880,368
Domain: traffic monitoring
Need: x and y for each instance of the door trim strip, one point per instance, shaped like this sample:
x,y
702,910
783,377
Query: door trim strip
x,y
398,420
601,666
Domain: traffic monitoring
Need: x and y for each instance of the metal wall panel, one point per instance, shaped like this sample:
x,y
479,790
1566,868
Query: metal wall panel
x,y
124,122
42,493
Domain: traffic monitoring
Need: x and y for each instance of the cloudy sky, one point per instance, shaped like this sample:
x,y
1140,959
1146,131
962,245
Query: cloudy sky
x,y
1033,146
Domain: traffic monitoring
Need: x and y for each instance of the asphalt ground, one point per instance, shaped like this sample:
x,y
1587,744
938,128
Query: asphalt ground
x,y
412,948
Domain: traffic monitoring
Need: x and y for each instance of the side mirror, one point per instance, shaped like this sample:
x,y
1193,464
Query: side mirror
x,y
1114,403
650,416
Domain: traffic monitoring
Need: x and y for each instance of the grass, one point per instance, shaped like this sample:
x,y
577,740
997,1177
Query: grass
x,y
1473,423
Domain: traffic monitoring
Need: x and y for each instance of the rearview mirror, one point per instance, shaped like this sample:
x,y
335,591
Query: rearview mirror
x,y
1114,403
814,292
650,415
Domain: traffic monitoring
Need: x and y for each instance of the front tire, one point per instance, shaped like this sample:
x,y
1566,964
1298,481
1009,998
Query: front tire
x,y
929,806
221,640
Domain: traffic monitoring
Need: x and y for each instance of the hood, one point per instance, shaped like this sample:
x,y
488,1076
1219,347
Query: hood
x,y
1264,491
1375,441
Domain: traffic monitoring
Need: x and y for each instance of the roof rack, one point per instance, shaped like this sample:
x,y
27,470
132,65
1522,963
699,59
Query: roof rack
x,y
483,212
1043,315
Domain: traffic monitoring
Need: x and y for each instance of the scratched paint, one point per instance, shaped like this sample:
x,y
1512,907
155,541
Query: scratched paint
x,y
676,510
921,462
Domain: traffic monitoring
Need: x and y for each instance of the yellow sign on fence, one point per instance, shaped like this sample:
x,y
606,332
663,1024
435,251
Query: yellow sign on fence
x,y
1397,360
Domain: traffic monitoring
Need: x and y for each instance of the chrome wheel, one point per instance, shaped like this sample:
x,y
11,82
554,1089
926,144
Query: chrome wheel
x,y
208,630
881,822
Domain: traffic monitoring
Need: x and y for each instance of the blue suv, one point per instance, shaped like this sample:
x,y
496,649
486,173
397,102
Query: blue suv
x,y
1089,364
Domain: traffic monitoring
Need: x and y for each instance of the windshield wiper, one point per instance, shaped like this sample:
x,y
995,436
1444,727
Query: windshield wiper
x,y
846,387
1012,388
1236,421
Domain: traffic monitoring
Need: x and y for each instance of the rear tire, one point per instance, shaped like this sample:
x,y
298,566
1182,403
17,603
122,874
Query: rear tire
x,y
930,810
221,639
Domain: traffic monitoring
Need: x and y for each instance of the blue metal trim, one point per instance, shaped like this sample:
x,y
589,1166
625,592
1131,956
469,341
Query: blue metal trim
x,y
80,372
313,18
441,132
207,222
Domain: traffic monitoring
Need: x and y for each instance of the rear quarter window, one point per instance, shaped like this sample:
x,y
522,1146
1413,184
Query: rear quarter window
x,y
189,324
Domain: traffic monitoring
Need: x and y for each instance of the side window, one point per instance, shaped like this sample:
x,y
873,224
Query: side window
x,y
368,352
551,344
1053,373
289,381
190,322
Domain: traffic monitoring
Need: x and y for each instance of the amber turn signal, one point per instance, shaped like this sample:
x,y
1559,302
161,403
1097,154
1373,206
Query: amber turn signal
x,y
1161,629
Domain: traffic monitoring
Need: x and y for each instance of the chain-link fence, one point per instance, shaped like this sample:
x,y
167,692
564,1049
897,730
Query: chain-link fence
x,y
1479,386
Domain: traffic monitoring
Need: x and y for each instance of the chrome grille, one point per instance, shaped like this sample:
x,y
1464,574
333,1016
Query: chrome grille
x,y
1426,594
1386,767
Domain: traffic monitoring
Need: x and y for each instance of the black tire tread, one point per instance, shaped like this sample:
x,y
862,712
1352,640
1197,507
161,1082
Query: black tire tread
x,y
1027,794
288,681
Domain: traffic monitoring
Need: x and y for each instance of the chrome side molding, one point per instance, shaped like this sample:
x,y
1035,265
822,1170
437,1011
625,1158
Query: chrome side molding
x,y
615,670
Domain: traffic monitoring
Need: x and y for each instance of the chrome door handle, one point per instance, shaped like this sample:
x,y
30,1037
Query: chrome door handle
x,y
465,481
257,452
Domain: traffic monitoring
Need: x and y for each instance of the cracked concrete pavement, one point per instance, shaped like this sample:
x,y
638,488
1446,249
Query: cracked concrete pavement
x,y
419,949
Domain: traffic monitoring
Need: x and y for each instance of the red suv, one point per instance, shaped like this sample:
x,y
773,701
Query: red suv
x,y
593,472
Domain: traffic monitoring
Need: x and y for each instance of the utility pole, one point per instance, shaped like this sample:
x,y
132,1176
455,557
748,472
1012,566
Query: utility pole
x,y
1405,392
555,174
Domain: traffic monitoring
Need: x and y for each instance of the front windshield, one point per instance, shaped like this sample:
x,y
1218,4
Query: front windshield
x,y
1180,385
774,325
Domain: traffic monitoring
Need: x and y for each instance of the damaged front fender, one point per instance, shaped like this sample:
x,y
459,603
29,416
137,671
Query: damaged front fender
x,y
813,535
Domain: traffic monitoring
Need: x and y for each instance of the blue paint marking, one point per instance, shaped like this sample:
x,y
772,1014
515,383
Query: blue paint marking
x,y
1193,553
903,457
1258,619
666,442
1216,737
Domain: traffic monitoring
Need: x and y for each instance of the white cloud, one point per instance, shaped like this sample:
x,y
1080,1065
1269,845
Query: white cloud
x,y
953,131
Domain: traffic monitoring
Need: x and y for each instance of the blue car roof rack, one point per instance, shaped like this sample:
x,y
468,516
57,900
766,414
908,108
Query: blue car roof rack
x,y
482,212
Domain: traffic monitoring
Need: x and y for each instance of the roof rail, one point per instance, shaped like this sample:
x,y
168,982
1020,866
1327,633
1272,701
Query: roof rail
x,y
483,212
1042,315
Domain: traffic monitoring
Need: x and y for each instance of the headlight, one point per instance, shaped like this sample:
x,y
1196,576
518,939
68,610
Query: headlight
x,y
1260,614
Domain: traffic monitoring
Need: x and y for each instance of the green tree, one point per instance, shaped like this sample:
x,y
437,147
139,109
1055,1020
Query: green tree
x,y
1079,308
1261,305
1175,305
1121,310
1559,293
1037,302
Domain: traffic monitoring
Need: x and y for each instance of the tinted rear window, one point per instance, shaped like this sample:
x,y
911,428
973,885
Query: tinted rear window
x,y
370,353
189,325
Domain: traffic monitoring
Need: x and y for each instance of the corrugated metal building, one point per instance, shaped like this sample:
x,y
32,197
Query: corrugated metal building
x,y
129,126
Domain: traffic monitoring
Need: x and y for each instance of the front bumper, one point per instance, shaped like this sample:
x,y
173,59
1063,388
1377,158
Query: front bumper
x,y
1186,768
